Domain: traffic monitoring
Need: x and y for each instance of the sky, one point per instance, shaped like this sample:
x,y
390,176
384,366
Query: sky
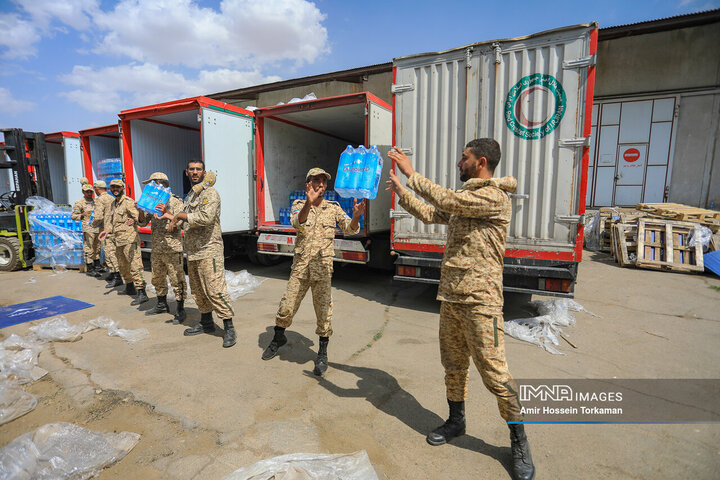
x,y
75,64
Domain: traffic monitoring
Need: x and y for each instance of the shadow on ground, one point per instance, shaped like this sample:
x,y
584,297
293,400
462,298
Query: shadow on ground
x,y
384,392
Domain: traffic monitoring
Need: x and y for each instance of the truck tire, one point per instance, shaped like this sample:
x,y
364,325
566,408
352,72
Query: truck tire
x,y
9,254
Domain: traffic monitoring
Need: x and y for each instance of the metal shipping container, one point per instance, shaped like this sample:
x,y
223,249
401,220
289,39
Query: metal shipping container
x,y
292,139
66,166
164,137
98,144
534,96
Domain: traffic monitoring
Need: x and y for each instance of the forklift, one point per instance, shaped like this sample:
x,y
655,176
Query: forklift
x,y
24,156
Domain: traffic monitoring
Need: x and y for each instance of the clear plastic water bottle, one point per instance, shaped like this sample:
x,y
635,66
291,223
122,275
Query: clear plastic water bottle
x,y
357,169
344,173
372,173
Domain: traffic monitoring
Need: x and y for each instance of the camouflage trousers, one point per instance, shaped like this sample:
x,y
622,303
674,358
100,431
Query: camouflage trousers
x,y
129,262
476,331
296,289
207,282
110,258
164,265
91,246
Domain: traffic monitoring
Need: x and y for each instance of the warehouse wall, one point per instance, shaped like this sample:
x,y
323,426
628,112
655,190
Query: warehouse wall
x,y
683,62
378,85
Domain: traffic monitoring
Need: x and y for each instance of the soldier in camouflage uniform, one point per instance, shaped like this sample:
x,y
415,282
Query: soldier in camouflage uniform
x,y
82,211
167,253
123,232
101,219
315,221
205,252
471,291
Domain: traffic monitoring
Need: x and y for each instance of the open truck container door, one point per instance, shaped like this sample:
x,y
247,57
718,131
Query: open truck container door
x,y
292,139
66,166
99,143
164,137
534,96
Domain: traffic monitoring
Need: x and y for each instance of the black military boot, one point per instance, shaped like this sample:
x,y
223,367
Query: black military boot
x,y
179,313
115,280
206,325
278,341
453,427
160,307
229,337
99,269
141,297
129,289
90,270
522,463
321,362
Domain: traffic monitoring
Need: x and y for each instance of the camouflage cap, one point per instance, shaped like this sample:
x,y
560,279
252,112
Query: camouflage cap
x,y
316,171
84,181
156,176
87,187
100,184
118,182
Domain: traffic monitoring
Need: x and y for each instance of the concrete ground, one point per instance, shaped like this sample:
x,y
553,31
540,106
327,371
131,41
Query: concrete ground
x,y
204,411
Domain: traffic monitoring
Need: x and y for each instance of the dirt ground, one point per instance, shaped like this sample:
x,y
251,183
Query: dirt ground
x,y
204,411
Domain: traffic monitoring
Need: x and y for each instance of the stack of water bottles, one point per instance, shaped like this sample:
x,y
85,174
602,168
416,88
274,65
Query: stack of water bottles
x,y
359,172
109,169
330,195
152,194
57,239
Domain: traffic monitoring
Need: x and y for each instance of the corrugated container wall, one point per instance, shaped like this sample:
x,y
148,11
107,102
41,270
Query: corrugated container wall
x,y
528,94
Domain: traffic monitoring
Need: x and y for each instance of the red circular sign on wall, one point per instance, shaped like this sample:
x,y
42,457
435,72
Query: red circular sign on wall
x,y
631,154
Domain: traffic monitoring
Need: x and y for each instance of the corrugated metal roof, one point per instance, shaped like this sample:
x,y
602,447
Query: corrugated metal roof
x,y
660,24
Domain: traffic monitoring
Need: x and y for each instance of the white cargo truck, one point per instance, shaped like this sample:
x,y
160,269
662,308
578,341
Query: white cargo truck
x,y
534,96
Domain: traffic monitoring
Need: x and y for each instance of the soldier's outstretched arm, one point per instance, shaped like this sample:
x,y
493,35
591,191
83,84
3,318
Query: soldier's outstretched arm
x,y
479,203
424,212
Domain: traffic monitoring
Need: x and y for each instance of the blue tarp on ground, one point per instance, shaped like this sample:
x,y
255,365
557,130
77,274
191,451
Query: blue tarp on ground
x,y
47,307
712,262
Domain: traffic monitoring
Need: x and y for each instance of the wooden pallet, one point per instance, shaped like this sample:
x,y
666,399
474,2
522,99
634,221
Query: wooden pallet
x,y
625,244
79,268
681,212
662,245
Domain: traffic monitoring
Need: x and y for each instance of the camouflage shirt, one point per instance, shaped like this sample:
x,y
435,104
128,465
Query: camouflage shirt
x,y
162,240
477,216
315,239
203,236
80,207
120,210
101,217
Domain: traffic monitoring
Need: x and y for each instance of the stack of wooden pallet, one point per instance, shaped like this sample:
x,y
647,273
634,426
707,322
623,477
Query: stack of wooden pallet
x,y
657,236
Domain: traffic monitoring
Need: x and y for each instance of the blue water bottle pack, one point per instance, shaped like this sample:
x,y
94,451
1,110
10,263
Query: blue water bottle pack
x,y
359,172
152,194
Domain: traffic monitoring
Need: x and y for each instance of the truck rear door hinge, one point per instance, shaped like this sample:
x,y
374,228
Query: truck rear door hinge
x,y
399,214
581,62
571,219
402,88
574,142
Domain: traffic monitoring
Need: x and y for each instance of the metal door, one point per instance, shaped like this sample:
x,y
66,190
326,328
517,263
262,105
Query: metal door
x,y
633,141
227,149
73,167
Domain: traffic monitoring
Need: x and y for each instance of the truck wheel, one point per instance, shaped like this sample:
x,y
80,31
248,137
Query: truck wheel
x,y
9,253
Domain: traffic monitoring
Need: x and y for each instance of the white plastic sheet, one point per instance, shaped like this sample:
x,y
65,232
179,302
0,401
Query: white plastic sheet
x,y
14,402
63,451
308,466
702,234
241,283
545,329
238,284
